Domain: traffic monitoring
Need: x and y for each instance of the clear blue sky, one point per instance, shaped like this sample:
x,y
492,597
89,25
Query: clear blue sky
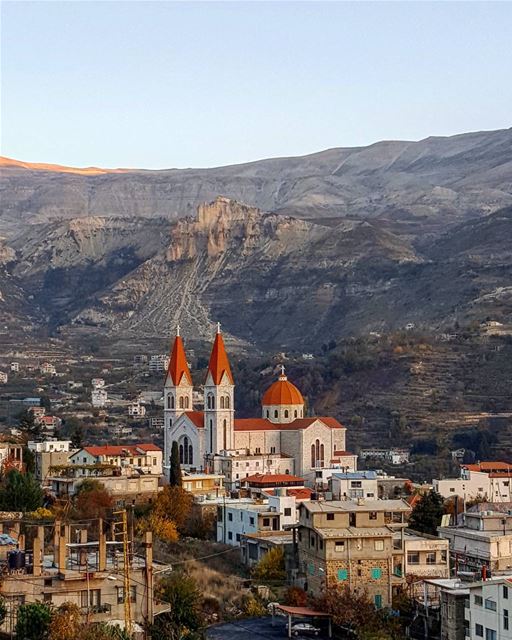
x,y
164,84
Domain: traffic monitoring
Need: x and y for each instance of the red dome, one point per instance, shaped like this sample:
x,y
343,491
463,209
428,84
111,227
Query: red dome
x,y
282,392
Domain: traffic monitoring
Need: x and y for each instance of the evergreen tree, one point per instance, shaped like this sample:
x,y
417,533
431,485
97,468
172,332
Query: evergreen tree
x,y
175,472
20,492
29,424
427,514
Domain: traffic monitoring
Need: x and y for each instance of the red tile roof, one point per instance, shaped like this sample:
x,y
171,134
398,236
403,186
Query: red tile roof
x,y
262,424
282,392
219,363
197,417
178,366
119,450
487,467
268,478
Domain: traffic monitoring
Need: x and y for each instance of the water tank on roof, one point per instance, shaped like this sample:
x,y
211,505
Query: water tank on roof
x,y
15,560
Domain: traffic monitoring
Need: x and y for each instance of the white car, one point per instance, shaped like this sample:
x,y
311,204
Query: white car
x,y
304,628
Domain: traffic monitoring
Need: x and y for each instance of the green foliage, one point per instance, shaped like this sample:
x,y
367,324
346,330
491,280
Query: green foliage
x,y
27,423
29,460
180,591
20,492
271,566
427,513
102,631
175,472
33,621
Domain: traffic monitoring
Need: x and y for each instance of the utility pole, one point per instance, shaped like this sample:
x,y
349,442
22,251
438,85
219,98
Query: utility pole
x,y
126,569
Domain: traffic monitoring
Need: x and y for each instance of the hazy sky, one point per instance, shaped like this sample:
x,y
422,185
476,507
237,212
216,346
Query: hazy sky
x,y
165,84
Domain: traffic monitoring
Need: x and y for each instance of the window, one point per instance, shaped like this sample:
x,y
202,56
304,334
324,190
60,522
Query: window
x,y
490,604
479,601
258,449
222,402
379,545
230,517
47,597
287,511
378,601
230,535
330,516
226,402
120,594
94,598
295,413
479,630
490,634
376,573
266,522
181,402
276,414
356,484
268,414
373,515
311,569
342,574
272,449
431,557
413,557
320,544
286,413
251,521
505,592
505,619
238,537
339,546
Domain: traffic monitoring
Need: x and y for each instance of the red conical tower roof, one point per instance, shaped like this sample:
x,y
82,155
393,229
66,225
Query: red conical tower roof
x,y
178,366
219,363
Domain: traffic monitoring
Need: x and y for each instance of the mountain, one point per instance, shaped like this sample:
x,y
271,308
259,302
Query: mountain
x,y
334,244
423,185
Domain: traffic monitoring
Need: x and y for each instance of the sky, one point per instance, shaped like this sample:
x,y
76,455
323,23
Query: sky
x,y
198,84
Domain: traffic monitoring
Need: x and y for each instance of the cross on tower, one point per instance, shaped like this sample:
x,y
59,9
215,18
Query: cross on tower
x,y
218,327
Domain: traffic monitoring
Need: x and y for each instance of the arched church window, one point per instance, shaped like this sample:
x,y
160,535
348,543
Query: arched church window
x,y
172,402
211,436
181,402
181,454
185,449
186,402
322,452
268,413
295,413
226,402
317,450
225,434
287,471
190,454
313,456
286,413
222,402
276,414
169,402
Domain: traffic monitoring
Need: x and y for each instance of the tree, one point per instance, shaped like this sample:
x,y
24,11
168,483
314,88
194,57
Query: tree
x,y
271,566
29,424
92,500
426,515
180,591
46,403
33,621
77,436
173,503
20,492
175,471
101,631
29,460
66,622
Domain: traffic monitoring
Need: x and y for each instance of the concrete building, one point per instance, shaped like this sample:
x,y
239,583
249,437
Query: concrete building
x,y
353,485
47,454
136,410
97,383
99,398
69,567
488,480
490,609
354,543
484,539
240,464
392,456
205,485
15,367
140,458
47,368
261,483
426,556
3,377
442,604
158,363
254,546
11,456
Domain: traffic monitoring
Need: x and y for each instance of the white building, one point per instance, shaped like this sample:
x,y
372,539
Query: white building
x,y
3,377
488,480
489,614
15,367
353,485
393,456
237,519
97,383
99,397
136,410
47,368
158,363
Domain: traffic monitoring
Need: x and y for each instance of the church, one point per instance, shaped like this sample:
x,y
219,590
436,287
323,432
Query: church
x,y
282,441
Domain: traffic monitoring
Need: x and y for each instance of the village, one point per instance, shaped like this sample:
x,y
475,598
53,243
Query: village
x,y
123,477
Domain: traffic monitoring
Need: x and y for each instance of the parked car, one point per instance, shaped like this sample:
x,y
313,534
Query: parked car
x,y
304,628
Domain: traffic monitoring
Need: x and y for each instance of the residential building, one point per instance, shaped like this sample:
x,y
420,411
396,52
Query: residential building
x,y
354,543
97,383
11,456
140,458
15,367
136,410
240,464
489,614
426,556
99,398
204,485
392,456
47,454
488,480
353,485
126,488
158,363
260,483
484,539
3,377
156,424
88,573
442,604
47,368
254,546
